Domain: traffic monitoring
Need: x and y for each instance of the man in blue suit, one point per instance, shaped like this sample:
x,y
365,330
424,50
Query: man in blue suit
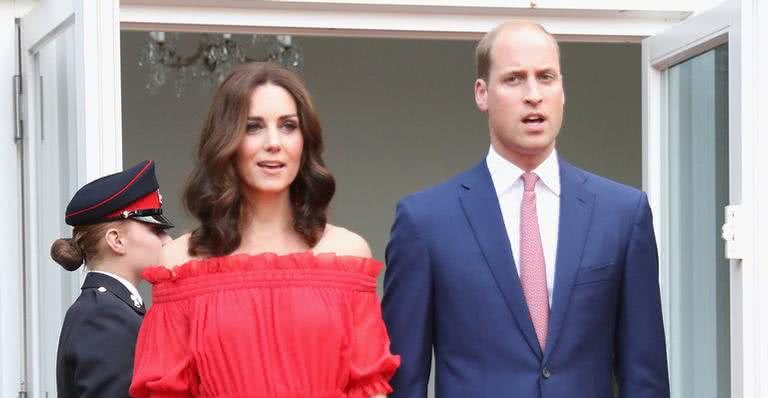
x,y
527,276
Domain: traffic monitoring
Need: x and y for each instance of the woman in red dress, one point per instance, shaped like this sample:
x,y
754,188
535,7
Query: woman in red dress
x,y
264,299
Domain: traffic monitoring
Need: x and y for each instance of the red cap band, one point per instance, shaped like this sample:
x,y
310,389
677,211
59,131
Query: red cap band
x,y
148,202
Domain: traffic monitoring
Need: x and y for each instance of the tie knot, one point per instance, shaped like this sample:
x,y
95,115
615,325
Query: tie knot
x,y
530,179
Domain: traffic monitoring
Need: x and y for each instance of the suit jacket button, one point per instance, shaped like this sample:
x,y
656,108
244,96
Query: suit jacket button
x,y
546,373
102,289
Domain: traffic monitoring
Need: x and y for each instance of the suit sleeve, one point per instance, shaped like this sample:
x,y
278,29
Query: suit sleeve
x,y
641,358
408,305
102,354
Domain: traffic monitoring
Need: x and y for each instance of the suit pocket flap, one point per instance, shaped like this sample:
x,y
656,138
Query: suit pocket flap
x,y
597,274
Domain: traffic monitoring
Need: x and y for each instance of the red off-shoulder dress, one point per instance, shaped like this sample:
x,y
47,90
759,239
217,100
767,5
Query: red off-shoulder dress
x,y
301,325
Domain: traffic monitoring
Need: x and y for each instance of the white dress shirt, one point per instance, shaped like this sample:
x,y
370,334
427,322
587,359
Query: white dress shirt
x,y
128,285
508,182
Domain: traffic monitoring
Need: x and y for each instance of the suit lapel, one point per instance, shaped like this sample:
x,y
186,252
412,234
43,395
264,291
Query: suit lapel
x,y
95,280
576,204
481,207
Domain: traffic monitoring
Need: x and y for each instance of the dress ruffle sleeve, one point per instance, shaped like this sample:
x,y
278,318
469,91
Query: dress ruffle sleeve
x,y
371,364
163,365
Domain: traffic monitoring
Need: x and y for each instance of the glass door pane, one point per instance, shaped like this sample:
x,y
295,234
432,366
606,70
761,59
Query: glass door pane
x,y
698,187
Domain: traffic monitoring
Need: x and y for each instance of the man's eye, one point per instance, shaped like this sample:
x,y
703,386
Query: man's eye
x,y
548,77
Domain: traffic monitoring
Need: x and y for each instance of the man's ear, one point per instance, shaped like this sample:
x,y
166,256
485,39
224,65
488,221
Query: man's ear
x,y
481,95
115,240
562,84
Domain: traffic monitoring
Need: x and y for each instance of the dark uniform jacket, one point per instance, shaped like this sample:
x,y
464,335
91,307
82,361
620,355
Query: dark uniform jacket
x,y
96,346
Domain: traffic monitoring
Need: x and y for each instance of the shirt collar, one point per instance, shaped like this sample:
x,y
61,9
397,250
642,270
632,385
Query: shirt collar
x,y
128,285
505,173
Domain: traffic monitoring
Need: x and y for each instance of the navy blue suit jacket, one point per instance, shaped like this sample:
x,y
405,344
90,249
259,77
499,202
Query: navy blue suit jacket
x,y
451,286
97,342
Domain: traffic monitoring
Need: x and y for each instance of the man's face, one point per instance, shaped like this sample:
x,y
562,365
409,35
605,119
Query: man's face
x,y
523,95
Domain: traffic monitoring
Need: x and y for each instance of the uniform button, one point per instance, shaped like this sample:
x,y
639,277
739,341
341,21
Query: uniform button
x,y
102,289
546,373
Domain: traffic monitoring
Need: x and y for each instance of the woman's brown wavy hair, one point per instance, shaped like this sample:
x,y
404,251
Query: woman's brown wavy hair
x,y
214,191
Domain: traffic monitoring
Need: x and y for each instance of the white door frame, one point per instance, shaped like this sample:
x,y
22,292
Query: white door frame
x,y
734,22
751,274
755,293
96,66
10,230
617,21
97,53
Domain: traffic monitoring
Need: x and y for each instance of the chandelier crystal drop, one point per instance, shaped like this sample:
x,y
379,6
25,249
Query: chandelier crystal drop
x,y
212,59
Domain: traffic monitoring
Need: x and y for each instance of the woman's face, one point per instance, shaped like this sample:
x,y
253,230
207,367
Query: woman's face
x,y
269,155
143,243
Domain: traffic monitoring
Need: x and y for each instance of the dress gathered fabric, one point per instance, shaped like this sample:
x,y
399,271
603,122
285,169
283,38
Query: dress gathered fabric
x,y
301,325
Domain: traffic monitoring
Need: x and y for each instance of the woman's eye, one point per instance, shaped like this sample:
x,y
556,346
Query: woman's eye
x,y
253,127
290,126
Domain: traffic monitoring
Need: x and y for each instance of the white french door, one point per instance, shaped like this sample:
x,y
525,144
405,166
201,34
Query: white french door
x,y
695,164
71,85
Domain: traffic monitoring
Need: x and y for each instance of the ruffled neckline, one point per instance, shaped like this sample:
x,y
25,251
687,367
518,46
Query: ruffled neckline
x,y
244,262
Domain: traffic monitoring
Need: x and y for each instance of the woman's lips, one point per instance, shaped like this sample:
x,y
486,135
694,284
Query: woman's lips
x,y
271,167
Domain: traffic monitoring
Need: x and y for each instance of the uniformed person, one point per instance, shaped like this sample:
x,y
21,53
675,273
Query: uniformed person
x,y
118,230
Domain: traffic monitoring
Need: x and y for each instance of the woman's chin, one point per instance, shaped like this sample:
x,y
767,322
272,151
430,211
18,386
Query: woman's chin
x,y
269,188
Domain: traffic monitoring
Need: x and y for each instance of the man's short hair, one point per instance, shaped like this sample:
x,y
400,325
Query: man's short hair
x,y
484,46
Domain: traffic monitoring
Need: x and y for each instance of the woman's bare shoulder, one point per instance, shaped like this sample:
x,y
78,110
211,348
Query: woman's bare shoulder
x,y
343,242
176,252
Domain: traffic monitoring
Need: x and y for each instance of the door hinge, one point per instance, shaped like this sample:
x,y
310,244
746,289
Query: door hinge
x,y
18,106
733,232
18,89
22,390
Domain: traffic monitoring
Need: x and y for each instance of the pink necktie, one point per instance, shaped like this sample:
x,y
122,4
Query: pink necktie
x,y
533,272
